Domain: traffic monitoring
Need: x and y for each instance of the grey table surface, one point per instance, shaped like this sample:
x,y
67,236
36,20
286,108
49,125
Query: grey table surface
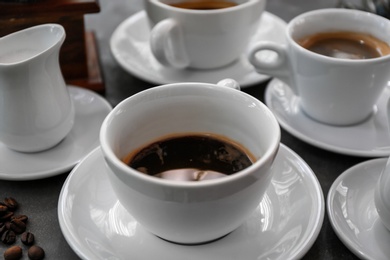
x,y
39,198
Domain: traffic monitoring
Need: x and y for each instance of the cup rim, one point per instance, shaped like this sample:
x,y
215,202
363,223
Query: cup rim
x,y
292,41
268,155
205,12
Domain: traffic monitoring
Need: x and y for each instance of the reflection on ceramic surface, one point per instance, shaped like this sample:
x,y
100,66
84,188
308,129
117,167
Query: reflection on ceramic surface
x,y
130,47
372,134
353,214
97,226
91,109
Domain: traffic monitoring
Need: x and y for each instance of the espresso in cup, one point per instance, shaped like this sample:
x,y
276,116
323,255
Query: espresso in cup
x,y
204,4
191,157
337,91
345,45
228,121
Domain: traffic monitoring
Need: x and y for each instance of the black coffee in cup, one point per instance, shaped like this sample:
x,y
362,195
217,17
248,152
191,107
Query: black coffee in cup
x,y
191,157
345,45
204,4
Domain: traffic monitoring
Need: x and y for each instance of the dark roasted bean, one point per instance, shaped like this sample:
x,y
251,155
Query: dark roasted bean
x,y
8,237
3,208
27,238
7,216
36,253
23,218
3,228
11,203
18,226
13,253
7,225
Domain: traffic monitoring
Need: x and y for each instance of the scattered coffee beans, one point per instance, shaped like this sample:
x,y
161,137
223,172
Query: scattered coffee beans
x,y
12,225
13,253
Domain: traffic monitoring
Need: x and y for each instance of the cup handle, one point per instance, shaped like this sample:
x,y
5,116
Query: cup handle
x,y
167,44
277,66
230,83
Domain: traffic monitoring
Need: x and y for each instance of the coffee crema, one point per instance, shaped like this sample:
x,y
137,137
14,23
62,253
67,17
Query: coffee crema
x,y
345,45
204,4
192,157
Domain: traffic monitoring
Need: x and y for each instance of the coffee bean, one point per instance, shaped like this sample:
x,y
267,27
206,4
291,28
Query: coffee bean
x,y
7,216
7,225
13,253
10,226
3,228
23,218
36,253
11,203
3,208
8,237
27,238
18,226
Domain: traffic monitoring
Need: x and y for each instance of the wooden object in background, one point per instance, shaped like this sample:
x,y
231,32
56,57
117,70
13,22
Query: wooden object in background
x,y
78,58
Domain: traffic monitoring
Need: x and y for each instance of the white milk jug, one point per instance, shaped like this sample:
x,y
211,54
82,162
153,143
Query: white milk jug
x,y
36,112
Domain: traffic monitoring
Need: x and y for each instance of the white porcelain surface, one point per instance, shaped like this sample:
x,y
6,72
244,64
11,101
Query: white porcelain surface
x,y
190,212
369,138
352,211
202,39
332,90
382,196
90,111
382,189
36,112
130,47
284,226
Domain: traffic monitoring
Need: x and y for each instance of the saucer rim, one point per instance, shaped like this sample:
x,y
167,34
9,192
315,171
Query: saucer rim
x,y
354,170
310,140
62,166
305,246
259,78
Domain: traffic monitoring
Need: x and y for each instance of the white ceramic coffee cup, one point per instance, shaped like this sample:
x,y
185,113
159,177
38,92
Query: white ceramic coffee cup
x,y
202,39
331,90
190,212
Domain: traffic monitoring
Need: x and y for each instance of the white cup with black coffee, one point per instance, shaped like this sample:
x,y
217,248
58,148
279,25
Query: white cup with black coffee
x,y
190,161
202,34
335,60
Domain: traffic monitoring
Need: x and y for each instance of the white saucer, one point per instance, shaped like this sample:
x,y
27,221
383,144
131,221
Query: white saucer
x,y
130,47
370,138
284,226
352,211
91,109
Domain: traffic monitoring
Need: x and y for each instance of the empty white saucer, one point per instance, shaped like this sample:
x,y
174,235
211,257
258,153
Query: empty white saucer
x,y
91,109
370,138
352,211
284,226
130,47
